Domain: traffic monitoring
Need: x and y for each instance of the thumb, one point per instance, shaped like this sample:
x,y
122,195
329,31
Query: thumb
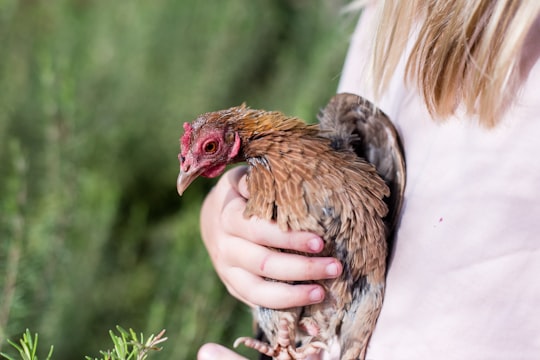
x,y
214,351
242,187
237,179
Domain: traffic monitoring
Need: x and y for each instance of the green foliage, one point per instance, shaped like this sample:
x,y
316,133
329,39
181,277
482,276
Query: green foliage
x,y
27,348
127,346
93,94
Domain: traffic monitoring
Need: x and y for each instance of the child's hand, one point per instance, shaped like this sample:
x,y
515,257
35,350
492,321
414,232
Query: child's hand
x,y
239,249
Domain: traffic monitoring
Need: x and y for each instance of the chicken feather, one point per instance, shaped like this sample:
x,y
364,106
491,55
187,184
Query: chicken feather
x,y
342,180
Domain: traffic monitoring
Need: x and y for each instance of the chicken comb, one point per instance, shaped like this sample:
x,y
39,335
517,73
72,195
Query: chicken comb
x,y
185,140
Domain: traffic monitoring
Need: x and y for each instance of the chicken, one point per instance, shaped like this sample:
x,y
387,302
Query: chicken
x,y
309,178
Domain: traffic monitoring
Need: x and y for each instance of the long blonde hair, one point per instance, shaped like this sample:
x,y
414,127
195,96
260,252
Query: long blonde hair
x,y
465,51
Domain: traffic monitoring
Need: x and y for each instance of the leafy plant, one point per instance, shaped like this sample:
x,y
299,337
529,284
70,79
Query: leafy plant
x,y
127,346
27,348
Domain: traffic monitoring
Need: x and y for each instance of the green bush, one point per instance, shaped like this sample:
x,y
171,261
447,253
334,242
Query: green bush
x,y
93,95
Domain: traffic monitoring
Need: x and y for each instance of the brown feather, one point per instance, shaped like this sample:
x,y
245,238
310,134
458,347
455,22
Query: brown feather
x,y
308,179
331,193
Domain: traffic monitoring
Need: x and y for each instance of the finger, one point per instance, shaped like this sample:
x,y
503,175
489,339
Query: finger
x,y
266,233
269,234
273,294
214,351
242,186
268,263
237,179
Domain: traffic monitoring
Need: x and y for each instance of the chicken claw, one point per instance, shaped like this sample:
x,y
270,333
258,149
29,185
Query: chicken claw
x,y
284,348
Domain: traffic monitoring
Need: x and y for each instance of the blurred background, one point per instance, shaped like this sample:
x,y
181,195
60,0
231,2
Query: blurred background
x,y
93,94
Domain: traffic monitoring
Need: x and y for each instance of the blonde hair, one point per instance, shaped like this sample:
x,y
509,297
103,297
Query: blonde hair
x,y
465,51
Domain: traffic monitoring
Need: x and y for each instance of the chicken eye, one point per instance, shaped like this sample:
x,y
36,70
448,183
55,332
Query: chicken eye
x,y
210,147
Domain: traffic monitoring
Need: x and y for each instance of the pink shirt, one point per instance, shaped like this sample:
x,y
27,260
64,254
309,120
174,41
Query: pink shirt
x,y
464,281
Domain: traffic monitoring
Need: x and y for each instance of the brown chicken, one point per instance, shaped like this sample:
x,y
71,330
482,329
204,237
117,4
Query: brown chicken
x,y
313,178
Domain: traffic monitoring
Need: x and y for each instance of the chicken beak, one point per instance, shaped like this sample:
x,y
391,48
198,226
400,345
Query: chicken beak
x,y
184,179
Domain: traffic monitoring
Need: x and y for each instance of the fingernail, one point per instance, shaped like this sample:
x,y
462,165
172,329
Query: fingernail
x,y
315,245
316,295
332,269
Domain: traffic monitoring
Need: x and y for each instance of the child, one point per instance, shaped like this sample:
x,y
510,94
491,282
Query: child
x,y
460,79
